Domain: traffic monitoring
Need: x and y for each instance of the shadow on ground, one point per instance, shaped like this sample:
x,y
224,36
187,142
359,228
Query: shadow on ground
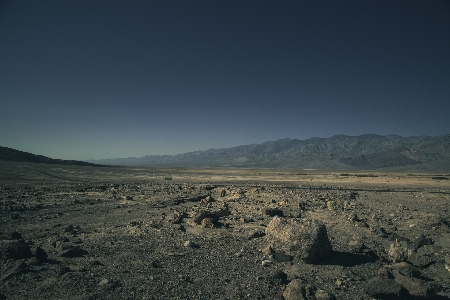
x,y
347,259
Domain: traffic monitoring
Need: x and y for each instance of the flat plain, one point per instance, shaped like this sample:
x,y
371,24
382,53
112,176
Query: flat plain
x,y
70,232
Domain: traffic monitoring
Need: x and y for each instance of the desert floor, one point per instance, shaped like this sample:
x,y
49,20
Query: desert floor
x,y
71,232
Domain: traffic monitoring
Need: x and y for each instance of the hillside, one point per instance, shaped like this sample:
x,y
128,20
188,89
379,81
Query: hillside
x,y
8,154
368,151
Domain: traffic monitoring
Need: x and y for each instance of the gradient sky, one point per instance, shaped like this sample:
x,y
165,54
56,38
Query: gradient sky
x,y
107,79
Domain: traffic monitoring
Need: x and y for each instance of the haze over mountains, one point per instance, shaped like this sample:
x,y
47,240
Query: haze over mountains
x,y
368,151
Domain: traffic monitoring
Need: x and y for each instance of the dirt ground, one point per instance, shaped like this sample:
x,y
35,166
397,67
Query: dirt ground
x,y
72,232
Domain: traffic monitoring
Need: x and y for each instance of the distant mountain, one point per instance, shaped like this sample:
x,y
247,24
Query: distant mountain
x,y
367,151
8,154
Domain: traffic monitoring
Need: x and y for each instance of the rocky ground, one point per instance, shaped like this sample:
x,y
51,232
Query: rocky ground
x,y
114,233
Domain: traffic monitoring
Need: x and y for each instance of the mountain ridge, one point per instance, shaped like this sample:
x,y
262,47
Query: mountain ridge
x,y
367,151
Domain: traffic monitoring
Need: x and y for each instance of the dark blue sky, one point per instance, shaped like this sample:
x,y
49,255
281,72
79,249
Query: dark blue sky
x,y
106,79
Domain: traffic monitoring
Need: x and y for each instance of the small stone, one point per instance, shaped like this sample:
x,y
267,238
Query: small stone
x,y
257,234
156,264
356,246
397,252
198,217
334,205
362,224
190,244
268,250
385,273
267,211
207,199
266,262
69,228
176,218
104,282
353,217
207,223
378,230
324,295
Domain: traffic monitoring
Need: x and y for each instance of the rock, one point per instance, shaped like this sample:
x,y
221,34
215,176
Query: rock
x,y
353,217
324,295
378,230
421,260
404,268
207,223
69,228
67,249
15,249
334,205
34,261
380,288
156,264
177,218
128,197
268,250
40,254
306,239
281,257
199,216
385,273
208,199
362,224
356,246
190,244
397,238
416,287
267,211
279,276
266,262
222,212
13,235
103,282
257,234
397,252
294,291
421,241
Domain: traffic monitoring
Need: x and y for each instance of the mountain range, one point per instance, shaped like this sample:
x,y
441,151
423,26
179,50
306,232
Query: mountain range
x,y
367,151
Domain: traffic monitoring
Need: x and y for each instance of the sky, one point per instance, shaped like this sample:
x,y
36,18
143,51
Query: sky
x,y
108,79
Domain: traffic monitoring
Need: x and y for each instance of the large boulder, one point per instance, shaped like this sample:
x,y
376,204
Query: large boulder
x,y
305,239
